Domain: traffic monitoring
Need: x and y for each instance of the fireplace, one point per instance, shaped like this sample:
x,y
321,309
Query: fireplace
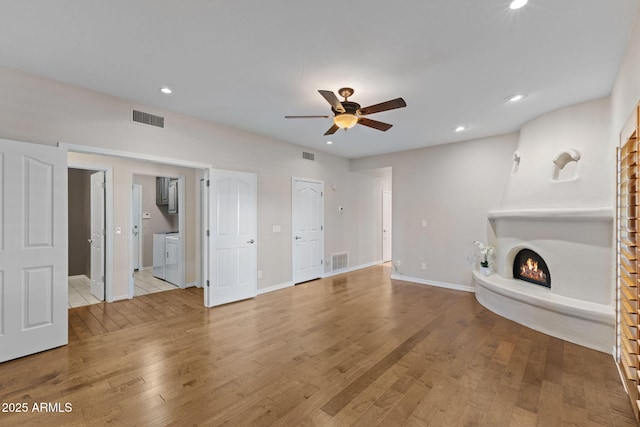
x,y
530,267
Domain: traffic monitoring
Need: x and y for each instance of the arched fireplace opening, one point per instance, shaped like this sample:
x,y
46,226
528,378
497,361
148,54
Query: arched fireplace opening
x,y
530,267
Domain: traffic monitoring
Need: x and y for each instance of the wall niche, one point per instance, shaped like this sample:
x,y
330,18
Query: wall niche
x,y
565,165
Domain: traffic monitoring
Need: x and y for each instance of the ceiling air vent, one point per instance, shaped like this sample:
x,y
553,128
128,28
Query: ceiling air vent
x,y
148,119
308,156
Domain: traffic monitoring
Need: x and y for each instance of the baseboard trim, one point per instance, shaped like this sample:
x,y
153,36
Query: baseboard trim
x,y
434,283
192,285
275,288
119,298
78,276
350,269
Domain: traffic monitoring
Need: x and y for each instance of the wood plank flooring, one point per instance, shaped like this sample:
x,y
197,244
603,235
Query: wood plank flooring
x,y
352,350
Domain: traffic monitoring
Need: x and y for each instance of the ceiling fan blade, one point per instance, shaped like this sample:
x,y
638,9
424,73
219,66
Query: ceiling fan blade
x,y
306,117
332,130
383,106
333,100
374,124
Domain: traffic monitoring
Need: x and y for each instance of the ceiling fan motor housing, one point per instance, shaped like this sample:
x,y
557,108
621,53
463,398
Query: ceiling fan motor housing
x,y
349,107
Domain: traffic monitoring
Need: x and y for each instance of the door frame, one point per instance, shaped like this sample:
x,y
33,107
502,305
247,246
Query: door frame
x,y
108,220
131,240
384,193
139,215
199,167
293,254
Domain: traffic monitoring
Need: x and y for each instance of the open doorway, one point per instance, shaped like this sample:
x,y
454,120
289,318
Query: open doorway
x,y
230,210
86,236
126,254
157,238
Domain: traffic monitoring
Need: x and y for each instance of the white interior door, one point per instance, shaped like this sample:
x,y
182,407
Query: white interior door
x,y
33,248
233,233
386,226
136,226
97,235
307,229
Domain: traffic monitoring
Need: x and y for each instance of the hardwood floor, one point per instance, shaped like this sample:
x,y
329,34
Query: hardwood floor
x,y
354,350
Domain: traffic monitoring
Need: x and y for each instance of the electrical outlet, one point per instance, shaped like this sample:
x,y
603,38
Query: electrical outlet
x,y
259,274
424,265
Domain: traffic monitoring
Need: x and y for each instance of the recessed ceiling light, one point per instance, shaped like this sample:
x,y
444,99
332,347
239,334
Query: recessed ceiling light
x,y
460,128
516,97
166,90
329,142
517,4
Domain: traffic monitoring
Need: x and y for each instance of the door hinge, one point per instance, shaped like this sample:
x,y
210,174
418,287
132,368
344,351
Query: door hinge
x,y
207,283
208,233
321,261
207,183
322,228
321,193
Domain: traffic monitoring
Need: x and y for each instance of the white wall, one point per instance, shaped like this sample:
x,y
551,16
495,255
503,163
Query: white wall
x,y
452,187
626,90
583,127
37,110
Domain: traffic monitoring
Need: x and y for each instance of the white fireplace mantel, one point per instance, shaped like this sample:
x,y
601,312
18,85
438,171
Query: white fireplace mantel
x,y
599,214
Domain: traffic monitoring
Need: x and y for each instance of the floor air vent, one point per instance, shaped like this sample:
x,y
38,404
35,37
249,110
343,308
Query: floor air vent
x,y
308,156
148,119
339,261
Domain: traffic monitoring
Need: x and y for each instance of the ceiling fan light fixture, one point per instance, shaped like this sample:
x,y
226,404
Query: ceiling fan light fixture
x,y
345,121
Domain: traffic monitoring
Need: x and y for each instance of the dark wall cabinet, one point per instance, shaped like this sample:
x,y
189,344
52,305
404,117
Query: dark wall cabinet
x,y
173,197
167,193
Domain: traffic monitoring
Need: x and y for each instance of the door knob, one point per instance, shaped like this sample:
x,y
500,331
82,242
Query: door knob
x,y
298,237
251,241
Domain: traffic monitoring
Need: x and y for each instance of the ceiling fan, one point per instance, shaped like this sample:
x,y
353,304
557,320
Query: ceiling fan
x,y
347,113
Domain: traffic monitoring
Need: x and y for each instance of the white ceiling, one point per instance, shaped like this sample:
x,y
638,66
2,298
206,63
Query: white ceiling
x,y
248,63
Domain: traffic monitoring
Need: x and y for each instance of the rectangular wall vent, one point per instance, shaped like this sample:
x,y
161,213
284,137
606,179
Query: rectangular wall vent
x,y
339,261
148,119
308,156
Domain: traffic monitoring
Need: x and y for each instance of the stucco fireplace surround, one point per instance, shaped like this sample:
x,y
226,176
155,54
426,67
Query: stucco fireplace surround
x,y
558,203
577,250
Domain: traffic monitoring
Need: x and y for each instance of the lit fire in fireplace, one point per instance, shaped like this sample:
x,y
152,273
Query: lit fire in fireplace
x,y
530,270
